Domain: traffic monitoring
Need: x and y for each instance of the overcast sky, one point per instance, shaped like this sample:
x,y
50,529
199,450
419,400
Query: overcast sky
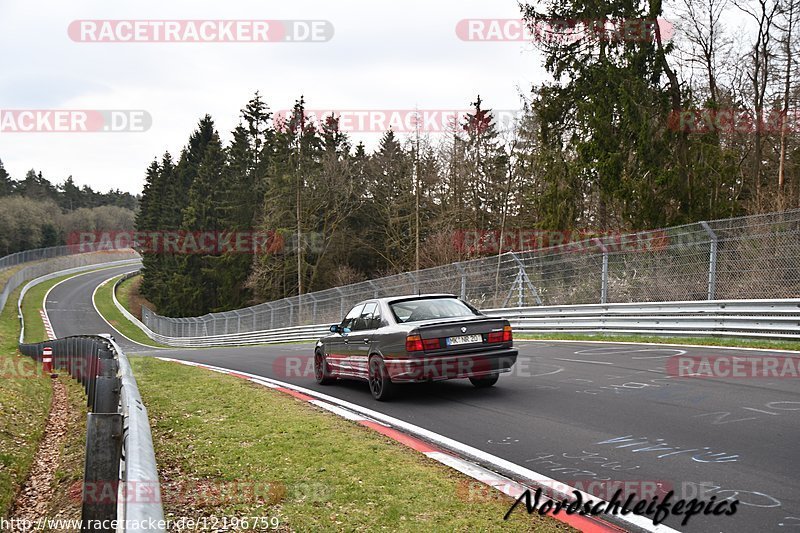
x,y
384,55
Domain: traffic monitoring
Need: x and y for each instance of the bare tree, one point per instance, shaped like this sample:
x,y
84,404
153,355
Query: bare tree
x,y
705,33
788,24
763,12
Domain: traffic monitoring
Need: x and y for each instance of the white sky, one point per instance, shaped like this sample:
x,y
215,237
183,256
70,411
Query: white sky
x,y
384,55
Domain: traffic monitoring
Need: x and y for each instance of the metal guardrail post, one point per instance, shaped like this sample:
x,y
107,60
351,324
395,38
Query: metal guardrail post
x,y
604,273
341,302
373,287
101,471
463,280
313,308
712,261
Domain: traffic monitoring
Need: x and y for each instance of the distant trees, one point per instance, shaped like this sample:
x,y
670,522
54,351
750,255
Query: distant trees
x,y
34,213
657,129
662,126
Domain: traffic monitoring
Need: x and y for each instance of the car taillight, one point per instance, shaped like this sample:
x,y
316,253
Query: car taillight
x,y
500,336
414,343
431,344
495,336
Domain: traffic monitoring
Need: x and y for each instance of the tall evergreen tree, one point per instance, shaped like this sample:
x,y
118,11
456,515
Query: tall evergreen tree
x,y
6,183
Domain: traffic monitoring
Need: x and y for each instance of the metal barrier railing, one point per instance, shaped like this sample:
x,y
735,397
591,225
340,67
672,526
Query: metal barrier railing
x,y
735,259
120,460
776,319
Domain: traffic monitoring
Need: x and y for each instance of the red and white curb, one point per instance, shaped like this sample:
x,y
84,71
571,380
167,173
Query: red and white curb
x,y
48,327
391,427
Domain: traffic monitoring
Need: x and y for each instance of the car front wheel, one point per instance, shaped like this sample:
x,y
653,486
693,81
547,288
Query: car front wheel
x,y
485,382
321,371
380,385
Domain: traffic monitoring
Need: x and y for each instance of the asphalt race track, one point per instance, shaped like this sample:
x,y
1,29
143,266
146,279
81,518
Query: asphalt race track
x,y
577,412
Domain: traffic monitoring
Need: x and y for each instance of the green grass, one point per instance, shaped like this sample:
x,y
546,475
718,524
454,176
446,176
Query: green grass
x,y
124,293
31,304
732,342
103,299
7,273
325,473
24,405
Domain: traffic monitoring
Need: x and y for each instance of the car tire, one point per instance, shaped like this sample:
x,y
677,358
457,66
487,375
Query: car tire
x,y
484,382
322,373
380,385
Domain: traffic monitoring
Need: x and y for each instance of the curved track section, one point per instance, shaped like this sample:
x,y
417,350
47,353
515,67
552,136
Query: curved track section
x,y
581,413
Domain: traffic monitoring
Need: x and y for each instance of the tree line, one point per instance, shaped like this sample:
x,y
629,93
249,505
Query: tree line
x,y
626,135
35,213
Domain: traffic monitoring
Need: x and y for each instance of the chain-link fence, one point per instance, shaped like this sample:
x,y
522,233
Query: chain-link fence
x,y
739,258
36,254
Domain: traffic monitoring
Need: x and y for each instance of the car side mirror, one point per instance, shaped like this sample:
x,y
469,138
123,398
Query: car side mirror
x,y
335,328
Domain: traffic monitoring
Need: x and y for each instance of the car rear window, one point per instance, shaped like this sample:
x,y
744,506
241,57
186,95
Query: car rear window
x,y
429,308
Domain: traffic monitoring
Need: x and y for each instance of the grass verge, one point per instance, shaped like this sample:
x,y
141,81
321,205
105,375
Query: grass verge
x,y
31,304
316,472
24,404
104,301
130,298
703,341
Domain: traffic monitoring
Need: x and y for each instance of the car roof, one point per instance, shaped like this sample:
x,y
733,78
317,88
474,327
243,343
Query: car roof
x,y
395,299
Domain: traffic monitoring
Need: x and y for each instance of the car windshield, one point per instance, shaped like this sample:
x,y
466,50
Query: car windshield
x,y
430,308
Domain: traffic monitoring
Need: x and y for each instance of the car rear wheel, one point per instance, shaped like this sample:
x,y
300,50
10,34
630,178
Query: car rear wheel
x,y
321,371
485,382
380,385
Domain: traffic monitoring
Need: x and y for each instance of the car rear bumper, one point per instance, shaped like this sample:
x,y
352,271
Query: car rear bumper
x,y
440,367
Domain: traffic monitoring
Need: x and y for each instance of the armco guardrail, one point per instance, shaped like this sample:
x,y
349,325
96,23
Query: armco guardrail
x,y
734,259
120,460
300,333
779,319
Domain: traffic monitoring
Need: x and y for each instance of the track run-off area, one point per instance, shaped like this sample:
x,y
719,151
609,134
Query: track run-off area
x,y
586,414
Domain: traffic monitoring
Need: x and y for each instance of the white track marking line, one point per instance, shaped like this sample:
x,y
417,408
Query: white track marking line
x,y
118,332
705,346
582,361
640,522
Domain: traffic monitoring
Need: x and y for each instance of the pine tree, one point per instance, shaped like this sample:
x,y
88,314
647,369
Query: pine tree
x,y
6,183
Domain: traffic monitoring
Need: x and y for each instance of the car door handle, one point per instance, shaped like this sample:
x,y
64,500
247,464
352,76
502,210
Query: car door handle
x,y
366,341
346,340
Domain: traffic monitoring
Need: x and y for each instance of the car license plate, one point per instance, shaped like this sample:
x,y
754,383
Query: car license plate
x,y
466,339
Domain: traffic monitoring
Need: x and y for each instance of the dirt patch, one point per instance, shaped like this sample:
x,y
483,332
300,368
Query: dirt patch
x,y
136,300
33,500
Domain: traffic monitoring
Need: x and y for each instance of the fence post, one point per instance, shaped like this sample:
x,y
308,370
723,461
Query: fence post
x,y
341,302
521,276
712,261
313,308
463,280
604,279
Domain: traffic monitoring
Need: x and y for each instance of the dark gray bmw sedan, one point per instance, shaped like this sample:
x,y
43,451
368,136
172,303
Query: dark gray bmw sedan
x,y
409,339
